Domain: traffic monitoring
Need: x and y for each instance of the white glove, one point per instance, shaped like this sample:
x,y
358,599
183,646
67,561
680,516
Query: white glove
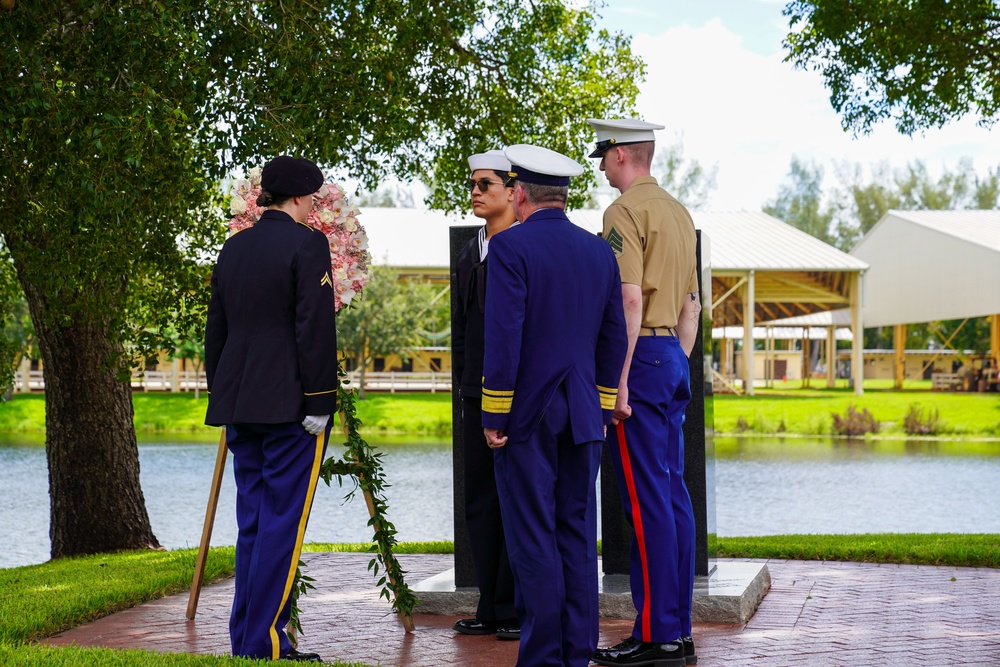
x,y
315,424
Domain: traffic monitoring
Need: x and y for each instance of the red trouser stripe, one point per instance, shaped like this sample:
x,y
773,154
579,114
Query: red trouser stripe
x,y
640,537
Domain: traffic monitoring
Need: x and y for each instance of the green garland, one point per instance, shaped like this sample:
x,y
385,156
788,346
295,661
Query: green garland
x,y
361,463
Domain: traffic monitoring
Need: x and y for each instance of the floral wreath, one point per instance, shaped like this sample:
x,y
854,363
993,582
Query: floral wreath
x,y
331,214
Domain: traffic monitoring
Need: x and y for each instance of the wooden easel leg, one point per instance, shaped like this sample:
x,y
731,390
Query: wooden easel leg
x,y
206,533
404,618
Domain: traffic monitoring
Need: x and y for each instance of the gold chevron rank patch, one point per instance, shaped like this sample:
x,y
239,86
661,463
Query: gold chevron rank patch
x,y
326,280
616,241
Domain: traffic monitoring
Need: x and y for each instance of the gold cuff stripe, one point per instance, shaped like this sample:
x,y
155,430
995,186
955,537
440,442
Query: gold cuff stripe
x,y
320,393
497,405
607,390
497,392
607,401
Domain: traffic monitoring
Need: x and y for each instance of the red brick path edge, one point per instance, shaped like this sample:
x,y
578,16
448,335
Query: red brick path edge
x,y
816,614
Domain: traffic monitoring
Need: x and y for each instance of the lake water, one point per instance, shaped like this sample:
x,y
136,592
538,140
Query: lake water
x,y
762,487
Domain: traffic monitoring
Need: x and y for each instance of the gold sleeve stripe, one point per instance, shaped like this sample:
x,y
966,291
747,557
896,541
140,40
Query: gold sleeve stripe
x,y
497,405
497,392
608,396
320,393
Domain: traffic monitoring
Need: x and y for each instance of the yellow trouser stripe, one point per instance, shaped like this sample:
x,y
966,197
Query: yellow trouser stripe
x,y
297,550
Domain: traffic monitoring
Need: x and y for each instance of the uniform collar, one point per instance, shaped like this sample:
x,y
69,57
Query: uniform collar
x,y
642,180
274,214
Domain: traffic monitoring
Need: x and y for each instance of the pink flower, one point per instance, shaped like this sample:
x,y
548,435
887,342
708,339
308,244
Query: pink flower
x,y
332,215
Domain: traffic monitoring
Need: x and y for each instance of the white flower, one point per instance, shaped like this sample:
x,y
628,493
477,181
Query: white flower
x,y
254,176
359,240
340,275
351,224
326,216
354,210
242,187
238,205
346,295
337,208
323,191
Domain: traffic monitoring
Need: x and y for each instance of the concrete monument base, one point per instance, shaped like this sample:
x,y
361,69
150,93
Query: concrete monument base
x,y
730,593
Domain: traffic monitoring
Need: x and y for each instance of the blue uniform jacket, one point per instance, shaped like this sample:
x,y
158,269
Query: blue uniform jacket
x,y
553,298
271,335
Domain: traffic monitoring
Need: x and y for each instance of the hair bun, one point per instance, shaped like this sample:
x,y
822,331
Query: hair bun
x,y
265,199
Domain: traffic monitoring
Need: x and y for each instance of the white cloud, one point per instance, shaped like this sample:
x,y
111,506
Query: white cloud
x,y
750,113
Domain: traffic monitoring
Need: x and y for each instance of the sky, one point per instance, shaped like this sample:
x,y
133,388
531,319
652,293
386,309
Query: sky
x,y
716,80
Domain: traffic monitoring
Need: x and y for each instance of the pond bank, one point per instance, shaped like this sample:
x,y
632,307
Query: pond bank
x,y
804,412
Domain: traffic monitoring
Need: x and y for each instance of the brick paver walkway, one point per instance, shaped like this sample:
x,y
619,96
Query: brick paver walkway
x,y
816,614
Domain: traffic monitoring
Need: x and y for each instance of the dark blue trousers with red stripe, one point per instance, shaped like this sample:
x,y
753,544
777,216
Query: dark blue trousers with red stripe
x,y
276,468
648,454
548,496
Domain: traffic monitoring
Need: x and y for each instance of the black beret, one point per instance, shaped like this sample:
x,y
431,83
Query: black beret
x,y
291,176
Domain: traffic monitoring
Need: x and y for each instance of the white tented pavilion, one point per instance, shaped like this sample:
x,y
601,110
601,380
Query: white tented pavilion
x,y
764,270
932,265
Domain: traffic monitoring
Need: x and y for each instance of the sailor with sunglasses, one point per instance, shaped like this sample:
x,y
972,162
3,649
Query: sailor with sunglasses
x,y
492,193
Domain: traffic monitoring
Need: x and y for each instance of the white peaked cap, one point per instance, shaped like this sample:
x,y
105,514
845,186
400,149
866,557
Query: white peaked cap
x,y
621,131
534,164
495,160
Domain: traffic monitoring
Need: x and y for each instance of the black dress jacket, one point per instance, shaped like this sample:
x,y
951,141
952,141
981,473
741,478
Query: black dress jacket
x,y
467,325
271,336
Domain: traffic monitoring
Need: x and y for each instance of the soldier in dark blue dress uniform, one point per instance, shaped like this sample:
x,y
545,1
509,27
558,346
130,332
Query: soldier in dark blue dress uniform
x,y
555,345
271,361
492,192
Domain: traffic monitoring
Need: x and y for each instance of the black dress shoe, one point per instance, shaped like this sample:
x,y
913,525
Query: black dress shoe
x,y
635,653
473,626
689,657
509,631
299,656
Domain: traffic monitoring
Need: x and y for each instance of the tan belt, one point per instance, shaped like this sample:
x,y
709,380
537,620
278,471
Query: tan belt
x,y
658,331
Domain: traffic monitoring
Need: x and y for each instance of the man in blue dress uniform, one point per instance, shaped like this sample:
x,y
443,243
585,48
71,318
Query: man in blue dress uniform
x,y
653,237
554,347
271,361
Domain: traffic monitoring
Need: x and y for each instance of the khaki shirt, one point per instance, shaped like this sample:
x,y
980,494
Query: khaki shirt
x,y
653,237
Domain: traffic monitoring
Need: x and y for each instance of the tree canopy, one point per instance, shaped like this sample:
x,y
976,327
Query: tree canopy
x,y
800,201
119,119
918,63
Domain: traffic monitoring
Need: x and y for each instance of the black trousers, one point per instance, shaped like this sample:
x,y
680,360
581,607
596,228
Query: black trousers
x,y
482,516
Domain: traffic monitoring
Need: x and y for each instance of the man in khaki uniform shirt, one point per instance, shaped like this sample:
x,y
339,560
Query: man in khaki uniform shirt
x,y
654,240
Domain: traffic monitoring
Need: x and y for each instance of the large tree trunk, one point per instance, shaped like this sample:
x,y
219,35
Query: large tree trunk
x,y
96,500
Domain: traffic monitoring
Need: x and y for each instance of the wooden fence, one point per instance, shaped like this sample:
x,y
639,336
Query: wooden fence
x,y
186,381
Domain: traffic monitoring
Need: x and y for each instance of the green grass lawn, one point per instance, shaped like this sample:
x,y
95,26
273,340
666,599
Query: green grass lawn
x,y
783,409
417,414
808,411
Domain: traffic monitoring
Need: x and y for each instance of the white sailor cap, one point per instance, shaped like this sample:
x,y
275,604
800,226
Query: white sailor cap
x,y
534,164
620,132
494,160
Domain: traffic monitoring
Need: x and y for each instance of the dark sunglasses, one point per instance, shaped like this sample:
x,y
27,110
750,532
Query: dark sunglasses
x,y
485,183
